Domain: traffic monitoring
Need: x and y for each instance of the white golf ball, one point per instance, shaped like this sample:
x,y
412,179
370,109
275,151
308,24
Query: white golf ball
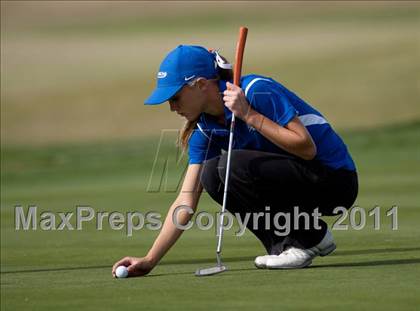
x,y
121,272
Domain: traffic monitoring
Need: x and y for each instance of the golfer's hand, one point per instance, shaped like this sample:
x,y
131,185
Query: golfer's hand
x,y
236,101
136,266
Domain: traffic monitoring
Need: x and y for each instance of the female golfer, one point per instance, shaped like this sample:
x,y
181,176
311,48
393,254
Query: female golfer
x,y
286,160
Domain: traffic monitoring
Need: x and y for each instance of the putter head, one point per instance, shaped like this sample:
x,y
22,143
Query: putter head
x,y
210,271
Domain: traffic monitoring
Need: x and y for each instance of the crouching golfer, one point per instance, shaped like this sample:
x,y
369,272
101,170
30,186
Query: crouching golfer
x,y
285,155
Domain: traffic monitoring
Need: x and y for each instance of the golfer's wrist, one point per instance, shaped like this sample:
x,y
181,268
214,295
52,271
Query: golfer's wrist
x,y
254,119
152,260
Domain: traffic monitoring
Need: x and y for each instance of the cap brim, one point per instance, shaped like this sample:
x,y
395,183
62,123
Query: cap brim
x,y
162,94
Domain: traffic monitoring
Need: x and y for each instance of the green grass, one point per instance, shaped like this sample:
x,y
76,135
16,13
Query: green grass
x,y
74,132
70,270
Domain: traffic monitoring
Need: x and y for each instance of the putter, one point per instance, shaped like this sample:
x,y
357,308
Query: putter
x,y
220,267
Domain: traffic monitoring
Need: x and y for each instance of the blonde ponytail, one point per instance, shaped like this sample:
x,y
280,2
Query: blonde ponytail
x,y
185,134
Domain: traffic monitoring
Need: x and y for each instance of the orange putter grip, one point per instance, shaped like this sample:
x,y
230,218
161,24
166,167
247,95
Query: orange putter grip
x,y
240,47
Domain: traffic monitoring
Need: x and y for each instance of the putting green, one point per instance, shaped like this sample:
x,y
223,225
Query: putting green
x,y
72,269
74,132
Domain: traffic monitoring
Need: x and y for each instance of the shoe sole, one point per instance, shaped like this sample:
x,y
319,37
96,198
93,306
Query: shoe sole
x,y
328,250
323,253
260,266
305,264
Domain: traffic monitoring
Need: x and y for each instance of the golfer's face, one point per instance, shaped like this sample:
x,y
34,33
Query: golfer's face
x,y
187,103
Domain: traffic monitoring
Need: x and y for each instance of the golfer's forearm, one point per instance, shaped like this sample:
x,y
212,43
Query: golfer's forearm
x,y
179,214
169,233
284,138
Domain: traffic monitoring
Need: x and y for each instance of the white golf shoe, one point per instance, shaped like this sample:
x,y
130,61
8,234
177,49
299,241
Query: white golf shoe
x,y
293,257
261,261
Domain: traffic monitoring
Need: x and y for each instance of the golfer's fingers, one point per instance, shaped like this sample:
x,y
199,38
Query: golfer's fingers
x,y
231,86
229,93
132,271
227,99
126,261
236,92
135,270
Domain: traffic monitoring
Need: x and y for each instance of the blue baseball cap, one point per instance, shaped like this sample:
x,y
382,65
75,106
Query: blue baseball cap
x,y
179,67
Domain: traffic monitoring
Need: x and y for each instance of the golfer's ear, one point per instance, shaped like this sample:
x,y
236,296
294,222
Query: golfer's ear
x,y
202,83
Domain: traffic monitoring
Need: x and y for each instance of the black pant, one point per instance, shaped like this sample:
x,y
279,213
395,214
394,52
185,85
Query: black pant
x,y
281,181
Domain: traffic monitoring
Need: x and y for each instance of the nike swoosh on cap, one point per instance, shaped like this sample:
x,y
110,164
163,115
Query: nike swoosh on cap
x,y
189,78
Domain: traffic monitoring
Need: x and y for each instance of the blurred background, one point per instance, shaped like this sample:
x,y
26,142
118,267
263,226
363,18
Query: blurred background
x,y
74,131
73,71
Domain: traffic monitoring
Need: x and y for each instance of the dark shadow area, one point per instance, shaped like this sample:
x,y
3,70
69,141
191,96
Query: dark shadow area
x,y
228,260
163,263
374,251
192,272
389,262
207,260
57,269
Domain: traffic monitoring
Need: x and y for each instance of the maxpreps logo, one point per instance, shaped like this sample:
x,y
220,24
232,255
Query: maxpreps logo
x,y
162,74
